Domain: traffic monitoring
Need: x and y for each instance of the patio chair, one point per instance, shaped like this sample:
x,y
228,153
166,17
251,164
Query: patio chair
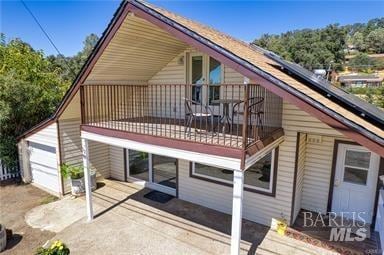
x,y
255,110
195,110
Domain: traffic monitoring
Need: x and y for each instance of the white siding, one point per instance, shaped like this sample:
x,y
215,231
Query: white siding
x,y
318,157
256,207
300,173
116,163
46,136
318,166
71,152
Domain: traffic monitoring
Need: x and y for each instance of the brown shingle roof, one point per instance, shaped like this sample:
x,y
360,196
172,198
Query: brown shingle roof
x,y
256,58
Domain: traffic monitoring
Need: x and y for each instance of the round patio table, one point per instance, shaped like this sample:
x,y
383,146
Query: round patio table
x,y
225,119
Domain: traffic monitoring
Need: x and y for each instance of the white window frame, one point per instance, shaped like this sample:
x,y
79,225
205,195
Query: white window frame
x,y
249,187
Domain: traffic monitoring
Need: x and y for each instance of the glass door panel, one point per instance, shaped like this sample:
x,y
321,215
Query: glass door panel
x,y
197,77
139,165
214,79
164,171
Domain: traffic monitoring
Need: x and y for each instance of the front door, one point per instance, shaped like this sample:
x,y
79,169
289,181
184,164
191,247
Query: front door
x,y
355,182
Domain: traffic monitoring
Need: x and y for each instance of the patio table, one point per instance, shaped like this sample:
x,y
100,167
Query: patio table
x,y
225,119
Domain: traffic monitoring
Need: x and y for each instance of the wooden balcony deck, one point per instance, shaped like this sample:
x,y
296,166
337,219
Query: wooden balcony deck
x,y
237,117
179,131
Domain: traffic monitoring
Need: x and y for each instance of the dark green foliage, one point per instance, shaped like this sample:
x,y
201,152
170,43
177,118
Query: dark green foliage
x,y
373,96
31,87
73,172
70,66
318,48
363,63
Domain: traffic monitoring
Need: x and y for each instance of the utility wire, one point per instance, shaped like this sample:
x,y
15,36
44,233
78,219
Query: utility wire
x,y
46,34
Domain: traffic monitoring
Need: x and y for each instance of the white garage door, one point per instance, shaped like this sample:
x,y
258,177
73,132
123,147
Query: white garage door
x,y
44,166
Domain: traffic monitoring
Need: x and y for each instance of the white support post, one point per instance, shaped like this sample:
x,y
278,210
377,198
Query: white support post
x,y
237,208
87,178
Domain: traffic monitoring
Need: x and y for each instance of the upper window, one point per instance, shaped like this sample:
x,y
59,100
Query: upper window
x,y
356,166
259,177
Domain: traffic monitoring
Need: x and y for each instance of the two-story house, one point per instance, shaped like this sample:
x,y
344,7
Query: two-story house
x,y
189,111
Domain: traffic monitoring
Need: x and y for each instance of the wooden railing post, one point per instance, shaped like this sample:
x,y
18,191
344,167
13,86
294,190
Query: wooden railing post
x,y
245,126
245,120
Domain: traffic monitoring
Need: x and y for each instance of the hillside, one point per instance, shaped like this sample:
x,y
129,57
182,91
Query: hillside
x,y
320,48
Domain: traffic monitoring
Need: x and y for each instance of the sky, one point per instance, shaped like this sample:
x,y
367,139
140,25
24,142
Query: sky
x,y
69,22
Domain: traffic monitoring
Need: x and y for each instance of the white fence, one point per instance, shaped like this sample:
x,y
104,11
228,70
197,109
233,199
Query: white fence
x,y
7,172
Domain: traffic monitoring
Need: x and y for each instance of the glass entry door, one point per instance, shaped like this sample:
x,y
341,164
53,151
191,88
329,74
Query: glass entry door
x,y
155,171
205,70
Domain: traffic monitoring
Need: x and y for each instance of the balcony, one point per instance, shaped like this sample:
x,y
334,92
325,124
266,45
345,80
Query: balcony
x,y
233,116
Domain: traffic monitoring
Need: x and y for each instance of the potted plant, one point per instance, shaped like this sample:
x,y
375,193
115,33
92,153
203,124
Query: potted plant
x,y
76,175
57,248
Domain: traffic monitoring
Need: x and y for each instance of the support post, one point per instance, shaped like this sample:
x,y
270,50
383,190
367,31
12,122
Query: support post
x,y
237,208
87,178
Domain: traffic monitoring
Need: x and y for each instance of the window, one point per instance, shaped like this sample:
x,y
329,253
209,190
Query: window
x,y
259,177
139,165
356,166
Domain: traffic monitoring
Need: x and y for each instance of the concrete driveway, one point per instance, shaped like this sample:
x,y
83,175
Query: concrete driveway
x,y
128,223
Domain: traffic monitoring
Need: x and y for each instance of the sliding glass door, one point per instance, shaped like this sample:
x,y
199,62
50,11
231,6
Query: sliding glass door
x,y
157,172
164,171
138,165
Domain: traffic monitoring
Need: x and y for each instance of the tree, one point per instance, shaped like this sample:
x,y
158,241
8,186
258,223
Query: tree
x,y
30,90
375,40
358,41
70,66
361,62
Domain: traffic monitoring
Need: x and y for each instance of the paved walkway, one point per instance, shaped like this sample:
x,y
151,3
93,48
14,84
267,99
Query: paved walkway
x,y
128,223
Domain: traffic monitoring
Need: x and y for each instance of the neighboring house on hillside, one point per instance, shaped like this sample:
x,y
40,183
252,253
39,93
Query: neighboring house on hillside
x,y
360,80
197,114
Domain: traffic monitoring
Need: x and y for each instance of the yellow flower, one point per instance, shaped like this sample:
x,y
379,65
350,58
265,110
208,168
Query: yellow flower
x,y
60,248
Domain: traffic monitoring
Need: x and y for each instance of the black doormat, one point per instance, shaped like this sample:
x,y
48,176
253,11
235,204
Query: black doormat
x,y
158,196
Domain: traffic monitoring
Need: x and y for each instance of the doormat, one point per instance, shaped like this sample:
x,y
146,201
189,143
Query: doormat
x,y
158,196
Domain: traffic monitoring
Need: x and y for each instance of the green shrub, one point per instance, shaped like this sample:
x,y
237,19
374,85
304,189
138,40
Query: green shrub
x,y
57,248
73,172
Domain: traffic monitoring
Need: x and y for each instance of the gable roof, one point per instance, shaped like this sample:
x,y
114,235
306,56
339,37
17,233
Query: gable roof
x,y
248,61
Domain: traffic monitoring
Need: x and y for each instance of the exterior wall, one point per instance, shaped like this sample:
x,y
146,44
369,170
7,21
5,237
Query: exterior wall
x,y
300,164
317,158
256,207
46,136
116,157
318,167
70,149
41,161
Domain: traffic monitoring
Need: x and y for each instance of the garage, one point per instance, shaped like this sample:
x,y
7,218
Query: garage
x,y
43,165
